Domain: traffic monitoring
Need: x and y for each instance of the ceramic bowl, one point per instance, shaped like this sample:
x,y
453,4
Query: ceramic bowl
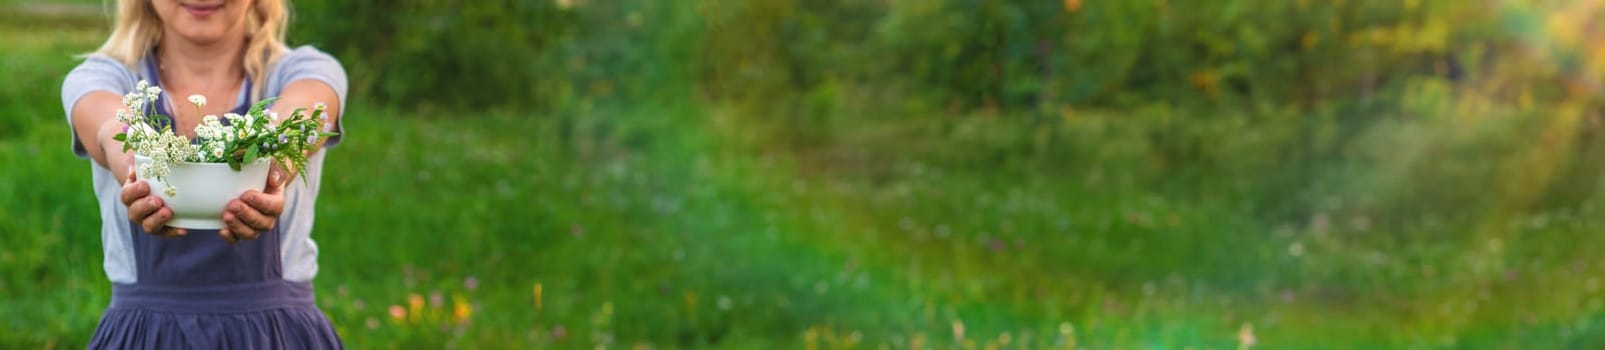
x,y
204,189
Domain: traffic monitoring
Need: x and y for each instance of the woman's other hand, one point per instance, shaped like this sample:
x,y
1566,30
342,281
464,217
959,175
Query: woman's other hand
x,y
145,209
255,211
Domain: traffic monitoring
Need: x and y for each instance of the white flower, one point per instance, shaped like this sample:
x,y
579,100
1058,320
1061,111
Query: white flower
x,y
209,126
134,101
165,148
217,152
153,170
319,107
197,100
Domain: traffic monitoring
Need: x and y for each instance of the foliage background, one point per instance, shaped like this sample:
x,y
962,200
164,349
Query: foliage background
x,y
907,174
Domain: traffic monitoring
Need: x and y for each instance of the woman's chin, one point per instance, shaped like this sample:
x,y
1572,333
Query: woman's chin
x,y
202,37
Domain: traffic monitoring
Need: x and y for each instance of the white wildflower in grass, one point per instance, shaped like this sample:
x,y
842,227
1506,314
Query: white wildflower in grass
x,y
257,134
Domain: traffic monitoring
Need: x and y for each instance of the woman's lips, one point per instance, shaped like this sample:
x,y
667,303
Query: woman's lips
x,y
202,10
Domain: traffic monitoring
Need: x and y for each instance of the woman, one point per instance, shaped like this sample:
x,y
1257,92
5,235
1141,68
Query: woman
x,y
247,285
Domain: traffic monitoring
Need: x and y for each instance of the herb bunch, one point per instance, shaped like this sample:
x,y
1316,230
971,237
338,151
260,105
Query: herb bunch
x,y
234,139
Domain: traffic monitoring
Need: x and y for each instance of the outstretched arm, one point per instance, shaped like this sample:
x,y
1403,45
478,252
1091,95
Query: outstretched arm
x,y
256,212
306,93
94,122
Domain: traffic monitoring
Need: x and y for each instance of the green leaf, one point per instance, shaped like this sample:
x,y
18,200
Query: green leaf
x,y
250,153
260,105
120,137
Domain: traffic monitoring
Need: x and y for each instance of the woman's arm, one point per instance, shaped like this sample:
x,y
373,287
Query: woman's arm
x,y
256,212
310,77
305,93
94,121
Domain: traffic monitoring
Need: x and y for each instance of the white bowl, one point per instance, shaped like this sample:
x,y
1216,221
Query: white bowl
x,y
204,189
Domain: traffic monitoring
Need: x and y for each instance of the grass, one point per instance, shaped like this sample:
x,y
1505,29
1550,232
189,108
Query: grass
x,y
681,223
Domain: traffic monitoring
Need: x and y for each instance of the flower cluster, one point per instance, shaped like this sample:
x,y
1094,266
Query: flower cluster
x,y
233,138
150,135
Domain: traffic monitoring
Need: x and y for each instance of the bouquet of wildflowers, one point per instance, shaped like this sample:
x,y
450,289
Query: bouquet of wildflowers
x,y
234,139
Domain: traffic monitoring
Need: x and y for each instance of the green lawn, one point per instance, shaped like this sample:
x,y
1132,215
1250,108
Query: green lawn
x,y
679,222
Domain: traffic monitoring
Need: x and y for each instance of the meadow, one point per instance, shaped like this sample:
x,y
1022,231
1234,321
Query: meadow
x,y
645,203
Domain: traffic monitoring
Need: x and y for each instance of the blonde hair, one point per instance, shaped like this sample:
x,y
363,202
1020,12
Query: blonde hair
x,y
137,30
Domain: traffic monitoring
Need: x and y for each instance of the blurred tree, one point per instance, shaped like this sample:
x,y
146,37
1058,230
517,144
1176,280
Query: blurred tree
x,y
447,52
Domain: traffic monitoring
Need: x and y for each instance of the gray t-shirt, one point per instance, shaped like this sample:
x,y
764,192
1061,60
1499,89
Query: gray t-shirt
x,y
299,254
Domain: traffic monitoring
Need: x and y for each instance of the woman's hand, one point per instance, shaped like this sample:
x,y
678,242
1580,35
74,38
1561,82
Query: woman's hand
x,y
255,211
145,209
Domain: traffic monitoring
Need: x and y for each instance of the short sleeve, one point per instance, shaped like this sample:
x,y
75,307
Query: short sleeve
x,y
306,62
96,73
